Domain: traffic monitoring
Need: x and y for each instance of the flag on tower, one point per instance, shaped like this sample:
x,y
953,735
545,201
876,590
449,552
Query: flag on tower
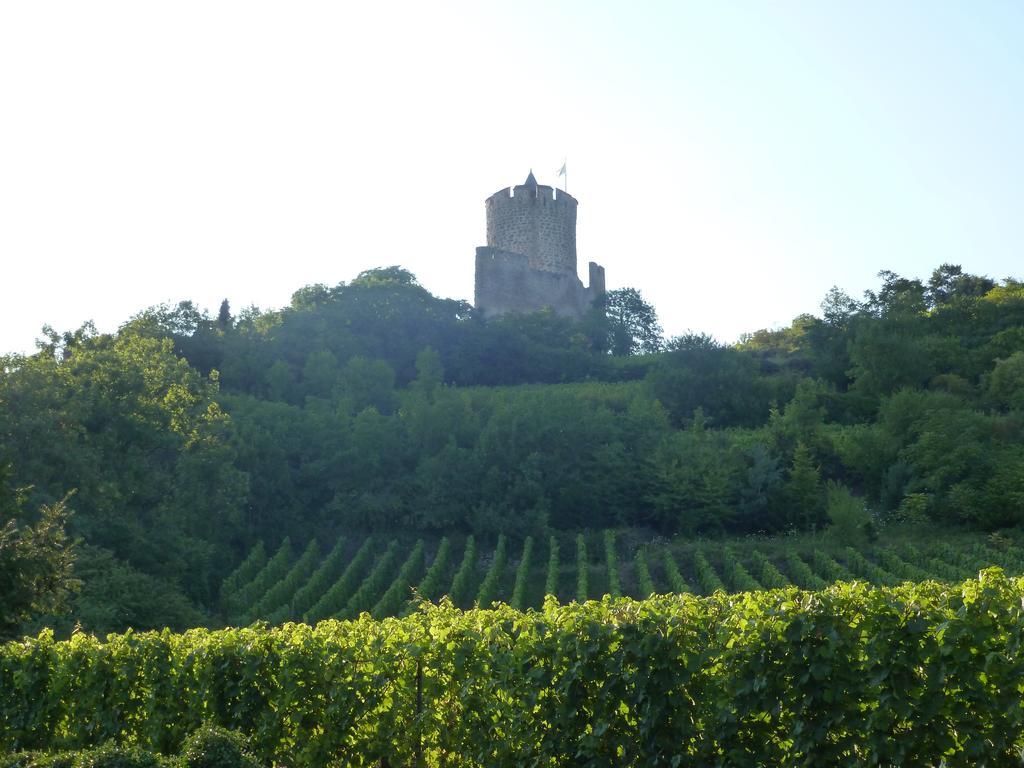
x,y
561,171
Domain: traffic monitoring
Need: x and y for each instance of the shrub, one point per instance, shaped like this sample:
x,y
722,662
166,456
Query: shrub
x,y
214,747
112,756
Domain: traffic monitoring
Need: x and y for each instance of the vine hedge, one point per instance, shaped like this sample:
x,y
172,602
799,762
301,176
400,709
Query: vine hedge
x,y
848,676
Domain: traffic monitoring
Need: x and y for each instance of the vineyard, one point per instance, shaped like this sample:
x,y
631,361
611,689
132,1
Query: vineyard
x,y
380,576
852,675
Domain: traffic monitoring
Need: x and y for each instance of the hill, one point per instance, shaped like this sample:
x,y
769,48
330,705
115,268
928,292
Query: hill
x,y
374,408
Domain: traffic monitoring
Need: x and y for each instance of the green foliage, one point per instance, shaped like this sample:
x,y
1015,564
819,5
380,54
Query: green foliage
x,y
865,569
111,756
695,480
850,675
899,567
462,584
141,438
828,568
432,584
373,406
275,570
214,747
582,570
280,594
850,521
400,591
707,577
244,573
676,582
336,598
375,583
36,559
632,323
319,582
644,582
519,587
114,595
723,382
769,576
801,573
551,580
39,760
1006,382
488,591
611,560
805,498
738,576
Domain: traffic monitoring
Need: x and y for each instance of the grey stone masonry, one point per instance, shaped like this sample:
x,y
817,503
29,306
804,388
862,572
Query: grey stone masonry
x,y
529,262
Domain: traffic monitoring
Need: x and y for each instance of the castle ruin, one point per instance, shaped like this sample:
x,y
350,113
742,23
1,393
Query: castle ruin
x,y
529,262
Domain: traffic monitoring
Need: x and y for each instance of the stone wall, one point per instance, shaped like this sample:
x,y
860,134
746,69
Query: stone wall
x,y
537,221
505,282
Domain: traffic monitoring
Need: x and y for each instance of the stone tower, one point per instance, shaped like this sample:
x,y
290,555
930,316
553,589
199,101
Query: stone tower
x,y
529,262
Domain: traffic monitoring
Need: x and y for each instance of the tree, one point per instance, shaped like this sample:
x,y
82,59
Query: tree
x,y
35,560
949,283
429,371
805,499
633,326
224,319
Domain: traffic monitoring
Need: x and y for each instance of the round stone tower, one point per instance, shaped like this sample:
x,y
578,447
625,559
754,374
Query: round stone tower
x,y
537,221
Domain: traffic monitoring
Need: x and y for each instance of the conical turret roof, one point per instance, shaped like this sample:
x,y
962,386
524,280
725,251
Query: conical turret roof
x,y
530,180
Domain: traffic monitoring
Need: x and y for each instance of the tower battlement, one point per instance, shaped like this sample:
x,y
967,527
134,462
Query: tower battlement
x,y
531,228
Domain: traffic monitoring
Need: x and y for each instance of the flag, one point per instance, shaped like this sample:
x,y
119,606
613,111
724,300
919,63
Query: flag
x,y
561,171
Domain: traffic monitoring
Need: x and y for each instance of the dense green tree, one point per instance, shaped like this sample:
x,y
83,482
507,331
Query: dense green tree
x,y
723,382
632,322
224,319
695,480
803,491
36,558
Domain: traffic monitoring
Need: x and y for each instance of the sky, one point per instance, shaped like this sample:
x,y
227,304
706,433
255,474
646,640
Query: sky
x,y
732,161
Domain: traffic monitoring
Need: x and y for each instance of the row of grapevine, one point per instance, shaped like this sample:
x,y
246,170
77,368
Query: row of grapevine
x,y
769,576
676,582
282,587
644,582
739,577
898,567
317,584
398,594
839,677
866,569
465,576
281,593
243,574
488,591
273,571
376,581
612,564
518,600
707,578
582,570
801,574
829,568
432,584
335,599
938,569
551,580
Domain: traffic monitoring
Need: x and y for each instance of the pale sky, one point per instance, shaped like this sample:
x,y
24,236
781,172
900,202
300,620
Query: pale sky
x,y
732,160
